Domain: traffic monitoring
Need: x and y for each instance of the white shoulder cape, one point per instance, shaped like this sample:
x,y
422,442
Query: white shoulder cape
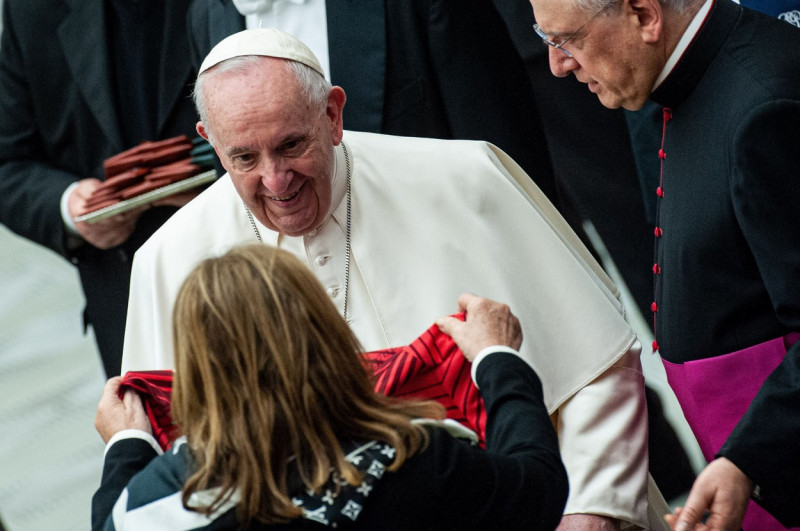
x,y
431,219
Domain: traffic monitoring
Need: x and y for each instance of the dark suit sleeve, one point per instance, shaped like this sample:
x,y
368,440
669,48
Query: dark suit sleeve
x,y
123,460
519,482
766,442
30,188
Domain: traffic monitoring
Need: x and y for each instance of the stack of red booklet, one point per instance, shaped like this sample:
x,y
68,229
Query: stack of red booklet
x,y
149,166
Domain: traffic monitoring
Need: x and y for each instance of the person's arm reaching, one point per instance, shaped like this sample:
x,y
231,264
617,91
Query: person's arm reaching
x,y
123,425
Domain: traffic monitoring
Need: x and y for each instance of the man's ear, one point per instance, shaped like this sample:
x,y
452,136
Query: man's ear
x,y
651,19
201,130
333,110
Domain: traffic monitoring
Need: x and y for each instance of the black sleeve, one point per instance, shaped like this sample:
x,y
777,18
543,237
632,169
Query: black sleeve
x,y
518,424
30,186
123,460
766,442
519,481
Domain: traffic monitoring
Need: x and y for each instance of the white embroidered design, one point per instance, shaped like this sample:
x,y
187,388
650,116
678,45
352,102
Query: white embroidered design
x,y
351,510
388,451
339,501
792,17
317,515
376,469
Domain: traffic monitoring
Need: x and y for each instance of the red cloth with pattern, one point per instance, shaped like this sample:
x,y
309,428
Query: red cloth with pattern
x,y
155,389
431,368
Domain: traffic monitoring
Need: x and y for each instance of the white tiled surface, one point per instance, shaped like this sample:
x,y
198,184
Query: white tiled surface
x,y
50,382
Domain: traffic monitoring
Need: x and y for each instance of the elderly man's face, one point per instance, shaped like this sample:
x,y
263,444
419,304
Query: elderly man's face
x,y
610,52
277,148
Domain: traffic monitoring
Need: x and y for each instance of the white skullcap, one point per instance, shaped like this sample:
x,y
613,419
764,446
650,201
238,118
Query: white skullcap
x,y
267,42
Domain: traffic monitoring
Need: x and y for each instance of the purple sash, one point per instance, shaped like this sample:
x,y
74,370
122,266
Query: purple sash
x,y
714,394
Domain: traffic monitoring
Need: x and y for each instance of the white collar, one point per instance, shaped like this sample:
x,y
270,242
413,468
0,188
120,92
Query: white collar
x,y
248,7
686,39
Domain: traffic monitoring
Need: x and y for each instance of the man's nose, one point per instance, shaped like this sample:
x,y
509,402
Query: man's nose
x,y
560,63
276,174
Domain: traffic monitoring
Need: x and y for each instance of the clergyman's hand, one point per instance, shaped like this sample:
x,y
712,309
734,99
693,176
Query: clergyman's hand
x,y
723,490
106,233
488,323
115,415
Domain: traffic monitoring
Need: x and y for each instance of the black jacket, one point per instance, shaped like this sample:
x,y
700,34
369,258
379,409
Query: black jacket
x,y
518,482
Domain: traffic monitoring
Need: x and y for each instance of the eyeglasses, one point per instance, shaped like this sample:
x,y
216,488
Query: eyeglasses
x,y
560,45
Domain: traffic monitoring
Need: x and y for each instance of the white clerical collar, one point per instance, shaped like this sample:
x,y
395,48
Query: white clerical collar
x,y
249,7
686,39
306,20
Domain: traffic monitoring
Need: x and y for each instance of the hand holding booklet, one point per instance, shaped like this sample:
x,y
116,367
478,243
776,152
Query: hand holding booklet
x,y
148,172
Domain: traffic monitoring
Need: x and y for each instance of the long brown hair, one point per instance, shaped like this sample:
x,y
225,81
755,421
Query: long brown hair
x,y
268,376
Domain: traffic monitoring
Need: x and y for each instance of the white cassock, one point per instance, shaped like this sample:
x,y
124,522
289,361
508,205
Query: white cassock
x,y
432,219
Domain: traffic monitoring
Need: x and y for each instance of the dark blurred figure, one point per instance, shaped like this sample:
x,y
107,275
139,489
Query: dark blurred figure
x,y
82,80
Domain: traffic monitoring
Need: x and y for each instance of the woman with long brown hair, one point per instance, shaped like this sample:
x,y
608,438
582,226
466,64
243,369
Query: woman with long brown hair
x,y
282,427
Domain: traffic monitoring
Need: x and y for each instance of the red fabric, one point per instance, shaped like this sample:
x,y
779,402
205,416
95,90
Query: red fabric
x,y
155,388
430,368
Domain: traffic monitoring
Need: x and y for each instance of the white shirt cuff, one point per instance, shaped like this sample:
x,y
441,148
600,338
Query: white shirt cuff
x,y
133,434
68,223
484,353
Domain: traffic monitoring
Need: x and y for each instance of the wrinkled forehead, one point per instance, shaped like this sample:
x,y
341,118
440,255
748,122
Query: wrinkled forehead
x,y
242,78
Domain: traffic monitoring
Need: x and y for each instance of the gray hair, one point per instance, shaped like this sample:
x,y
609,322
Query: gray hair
x,y
680,6
312,85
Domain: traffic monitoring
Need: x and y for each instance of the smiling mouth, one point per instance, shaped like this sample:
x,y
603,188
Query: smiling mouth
x,y
284,199
288,197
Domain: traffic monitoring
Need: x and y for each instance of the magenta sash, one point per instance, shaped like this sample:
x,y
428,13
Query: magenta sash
x,y
714,394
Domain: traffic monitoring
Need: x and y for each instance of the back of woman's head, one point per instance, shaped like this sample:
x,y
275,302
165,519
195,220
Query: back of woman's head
x,y
267,373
